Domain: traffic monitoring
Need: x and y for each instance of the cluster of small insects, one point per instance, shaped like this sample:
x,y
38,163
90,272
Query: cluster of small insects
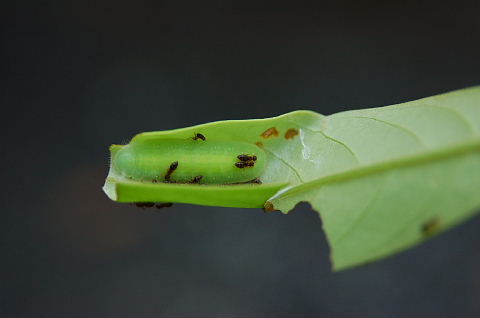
x,y
172,168
246,161
174,165
145,205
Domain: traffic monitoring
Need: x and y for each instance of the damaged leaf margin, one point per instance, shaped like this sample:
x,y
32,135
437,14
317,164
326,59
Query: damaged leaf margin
x,y
382,179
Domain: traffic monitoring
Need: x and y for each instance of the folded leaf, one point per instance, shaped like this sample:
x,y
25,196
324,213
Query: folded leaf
x,y
382,179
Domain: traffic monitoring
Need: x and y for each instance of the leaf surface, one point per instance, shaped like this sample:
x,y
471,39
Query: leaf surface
x,y
382,179
401,174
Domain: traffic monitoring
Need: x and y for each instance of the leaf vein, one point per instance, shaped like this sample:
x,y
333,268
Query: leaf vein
x,y
285,163
363,214
344,145
422,208
457,114
432,155
404,129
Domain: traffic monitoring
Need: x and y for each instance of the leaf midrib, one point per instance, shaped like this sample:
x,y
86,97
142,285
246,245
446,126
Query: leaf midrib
x,y
458,149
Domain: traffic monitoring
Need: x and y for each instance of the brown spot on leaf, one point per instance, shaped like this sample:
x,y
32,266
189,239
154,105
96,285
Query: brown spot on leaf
x,y
268,207
431,227
270,132
259,144
292,132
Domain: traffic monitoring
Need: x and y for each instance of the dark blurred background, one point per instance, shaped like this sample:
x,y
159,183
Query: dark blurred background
x,y
77,76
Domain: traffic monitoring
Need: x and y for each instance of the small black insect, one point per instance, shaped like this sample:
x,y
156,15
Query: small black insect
x,y
256,181
170,170
431,227
247,158
163,205
199,136
196,179
243,164
243,157
144,205
240,164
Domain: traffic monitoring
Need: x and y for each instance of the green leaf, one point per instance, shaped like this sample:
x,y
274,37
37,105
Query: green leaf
x,y
401,173
263,132
382,179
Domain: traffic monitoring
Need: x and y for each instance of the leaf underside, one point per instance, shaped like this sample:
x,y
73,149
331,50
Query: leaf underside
x,y
394,175
382,179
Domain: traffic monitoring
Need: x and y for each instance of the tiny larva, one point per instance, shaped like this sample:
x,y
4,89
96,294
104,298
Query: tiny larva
x,y
189,161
